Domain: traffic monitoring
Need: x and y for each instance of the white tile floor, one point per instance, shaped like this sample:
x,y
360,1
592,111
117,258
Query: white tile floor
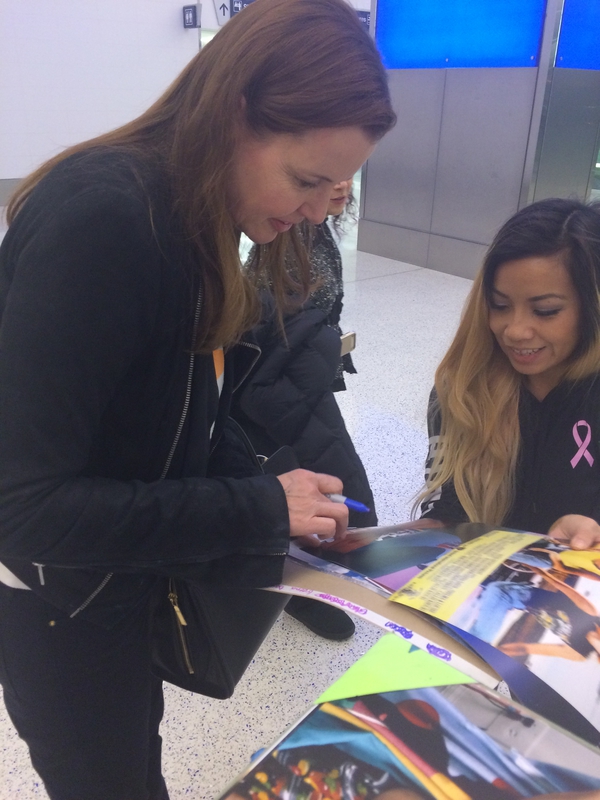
x,y
404,317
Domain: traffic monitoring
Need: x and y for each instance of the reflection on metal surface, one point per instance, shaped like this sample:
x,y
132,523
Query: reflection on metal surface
x,y
474,145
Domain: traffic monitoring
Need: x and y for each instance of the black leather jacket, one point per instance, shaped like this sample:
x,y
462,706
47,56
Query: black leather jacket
x,y
105,482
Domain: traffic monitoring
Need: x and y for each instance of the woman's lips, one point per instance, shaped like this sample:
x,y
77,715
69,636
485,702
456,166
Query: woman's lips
x,y
525,355
280,225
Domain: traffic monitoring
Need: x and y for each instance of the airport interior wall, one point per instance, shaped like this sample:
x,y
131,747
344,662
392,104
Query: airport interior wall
x,y
498,105
69,71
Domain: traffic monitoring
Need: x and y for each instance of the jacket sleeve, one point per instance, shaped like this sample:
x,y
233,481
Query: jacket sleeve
x,y
80,310
443,503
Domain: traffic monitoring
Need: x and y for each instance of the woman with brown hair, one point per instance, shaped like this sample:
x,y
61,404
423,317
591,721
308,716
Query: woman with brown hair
x,y
123,310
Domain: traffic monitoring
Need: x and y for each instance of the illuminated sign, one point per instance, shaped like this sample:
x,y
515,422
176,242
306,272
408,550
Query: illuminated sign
x,y
431,34
579,41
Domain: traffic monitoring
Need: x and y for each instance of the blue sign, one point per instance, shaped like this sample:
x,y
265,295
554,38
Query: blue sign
x,y
434,34
579,40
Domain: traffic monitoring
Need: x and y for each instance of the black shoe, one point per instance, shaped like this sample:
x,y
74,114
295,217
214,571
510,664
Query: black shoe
x,y
321,618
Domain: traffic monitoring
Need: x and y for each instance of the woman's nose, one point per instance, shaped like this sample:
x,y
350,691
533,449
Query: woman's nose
x,y
343,186
315,209
518,328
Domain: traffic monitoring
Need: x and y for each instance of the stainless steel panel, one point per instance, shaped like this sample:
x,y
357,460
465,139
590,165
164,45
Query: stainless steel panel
x,y
455,256
569,144
542,95
391,241
483,143
400,175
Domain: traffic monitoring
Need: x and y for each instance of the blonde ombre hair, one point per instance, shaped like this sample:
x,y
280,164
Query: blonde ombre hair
x,y
292,66
478,391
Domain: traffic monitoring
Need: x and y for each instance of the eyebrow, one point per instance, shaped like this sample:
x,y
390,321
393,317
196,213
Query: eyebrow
x,y
537,297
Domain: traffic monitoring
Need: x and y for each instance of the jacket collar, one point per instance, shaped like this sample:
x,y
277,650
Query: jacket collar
x,y
243,356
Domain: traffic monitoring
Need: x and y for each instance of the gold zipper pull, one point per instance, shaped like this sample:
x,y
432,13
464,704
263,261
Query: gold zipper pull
x,y
180,617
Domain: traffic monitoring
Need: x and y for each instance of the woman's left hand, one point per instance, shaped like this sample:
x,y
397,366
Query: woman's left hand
x,y
580,533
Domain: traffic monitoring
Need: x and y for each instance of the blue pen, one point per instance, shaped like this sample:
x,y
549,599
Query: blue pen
x,y
352,504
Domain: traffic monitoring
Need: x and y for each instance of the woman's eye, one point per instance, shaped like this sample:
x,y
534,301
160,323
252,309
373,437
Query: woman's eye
x,y
546,312
498,307
306,184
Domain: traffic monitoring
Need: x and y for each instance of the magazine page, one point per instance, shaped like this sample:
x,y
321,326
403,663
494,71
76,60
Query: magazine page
x,y
392,558
538,603
409,626
448,741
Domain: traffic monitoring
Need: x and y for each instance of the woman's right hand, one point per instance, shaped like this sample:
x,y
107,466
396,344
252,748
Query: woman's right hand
x,y
576,531
311,513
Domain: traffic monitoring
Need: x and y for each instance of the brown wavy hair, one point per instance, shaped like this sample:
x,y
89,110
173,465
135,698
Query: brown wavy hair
x,y
477,389
299,65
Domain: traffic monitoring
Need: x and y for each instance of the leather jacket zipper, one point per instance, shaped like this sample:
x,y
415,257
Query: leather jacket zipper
x,y
96,592
186,404
180,620
188,392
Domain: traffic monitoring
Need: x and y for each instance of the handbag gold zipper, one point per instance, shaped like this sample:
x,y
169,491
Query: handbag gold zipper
x,y
180,623
173,599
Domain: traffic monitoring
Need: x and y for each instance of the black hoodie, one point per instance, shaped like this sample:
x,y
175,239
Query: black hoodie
x,y
558,469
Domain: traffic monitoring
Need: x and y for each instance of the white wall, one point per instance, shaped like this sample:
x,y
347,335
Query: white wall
x,y
70,70
361,5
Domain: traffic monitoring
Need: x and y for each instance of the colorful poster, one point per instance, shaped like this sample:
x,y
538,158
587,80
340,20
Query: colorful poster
x,y
457,742
445,585
533,599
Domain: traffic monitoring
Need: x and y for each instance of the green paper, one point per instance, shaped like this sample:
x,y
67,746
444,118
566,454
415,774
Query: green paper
x,y
390,665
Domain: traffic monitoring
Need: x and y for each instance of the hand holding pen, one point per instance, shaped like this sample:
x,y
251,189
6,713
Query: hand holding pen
x,y
353,505
311,512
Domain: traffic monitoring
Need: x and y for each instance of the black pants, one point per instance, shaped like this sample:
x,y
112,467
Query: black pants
x,y
83,699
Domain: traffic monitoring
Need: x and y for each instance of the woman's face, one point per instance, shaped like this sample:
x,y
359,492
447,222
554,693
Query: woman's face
x,y
339,198
534,315
284,179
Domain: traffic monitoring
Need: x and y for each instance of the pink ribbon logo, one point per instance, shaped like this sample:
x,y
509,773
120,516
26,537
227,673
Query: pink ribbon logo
x,y
582,444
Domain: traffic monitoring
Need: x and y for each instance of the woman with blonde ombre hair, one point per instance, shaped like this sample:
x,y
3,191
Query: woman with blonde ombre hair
x,y
123,334
514,419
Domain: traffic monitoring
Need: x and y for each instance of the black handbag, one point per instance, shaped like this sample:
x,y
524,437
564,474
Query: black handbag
x,y
205,636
